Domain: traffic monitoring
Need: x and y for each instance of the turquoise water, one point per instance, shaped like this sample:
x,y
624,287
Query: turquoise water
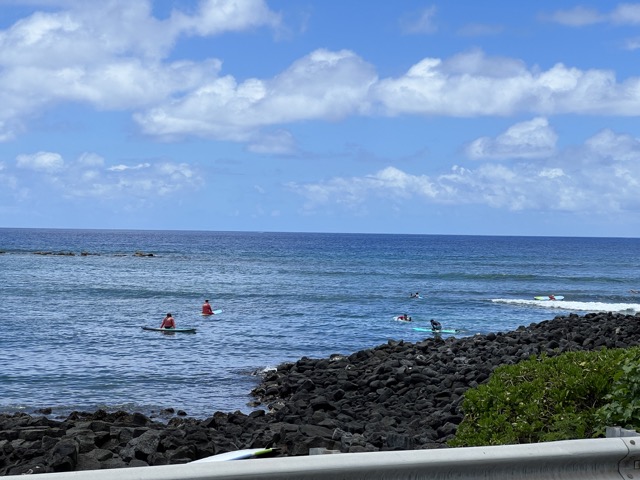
x,y
72,336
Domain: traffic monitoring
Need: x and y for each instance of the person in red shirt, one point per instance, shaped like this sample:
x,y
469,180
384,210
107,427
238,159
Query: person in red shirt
x,y
168,322
206,308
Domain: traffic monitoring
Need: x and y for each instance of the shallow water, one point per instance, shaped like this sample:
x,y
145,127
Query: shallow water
x,y
73,340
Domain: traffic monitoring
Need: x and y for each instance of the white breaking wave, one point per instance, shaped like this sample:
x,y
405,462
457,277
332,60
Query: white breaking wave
x,y
581,306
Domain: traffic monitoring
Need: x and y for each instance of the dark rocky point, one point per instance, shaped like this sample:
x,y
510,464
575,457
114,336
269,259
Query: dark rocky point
x,y
397,396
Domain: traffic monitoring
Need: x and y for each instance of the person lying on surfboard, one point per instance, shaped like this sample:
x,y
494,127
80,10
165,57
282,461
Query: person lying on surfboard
x,y
168,322
404,318
206,308
435,325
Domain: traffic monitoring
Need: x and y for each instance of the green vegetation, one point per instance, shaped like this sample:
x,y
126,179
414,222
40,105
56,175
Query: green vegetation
x,y
623,403
574,395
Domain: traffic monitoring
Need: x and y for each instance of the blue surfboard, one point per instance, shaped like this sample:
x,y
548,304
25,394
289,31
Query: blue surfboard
x,y
442,330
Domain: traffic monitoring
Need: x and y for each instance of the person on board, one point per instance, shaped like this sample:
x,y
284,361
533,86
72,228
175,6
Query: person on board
x,y
206,308
404,317
552,297
415,295
168,322
435,325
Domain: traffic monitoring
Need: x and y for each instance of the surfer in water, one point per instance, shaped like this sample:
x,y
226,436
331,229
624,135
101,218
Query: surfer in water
x,y
404,318
436,326
206,308
415,295
168,322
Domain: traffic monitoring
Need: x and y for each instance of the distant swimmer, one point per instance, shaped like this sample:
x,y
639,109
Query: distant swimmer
x,y
415,295
404,318
168,322
435,325
206,308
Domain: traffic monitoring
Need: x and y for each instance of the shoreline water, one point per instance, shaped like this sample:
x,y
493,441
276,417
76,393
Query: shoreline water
x,y
396,396
72,323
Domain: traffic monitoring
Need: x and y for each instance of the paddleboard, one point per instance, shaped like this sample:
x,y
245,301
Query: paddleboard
x,y
215,312
546,297
237,455
443,330
172,330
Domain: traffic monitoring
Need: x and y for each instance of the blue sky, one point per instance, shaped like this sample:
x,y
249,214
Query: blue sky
x,y
465,117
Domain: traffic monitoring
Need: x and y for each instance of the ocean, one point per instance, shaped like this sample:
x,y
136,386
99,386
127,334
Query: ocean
x,y
72,303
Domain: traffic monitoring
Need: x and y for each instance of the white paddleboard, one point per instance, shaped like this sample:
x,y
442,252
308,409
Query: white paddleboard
x,y
237,455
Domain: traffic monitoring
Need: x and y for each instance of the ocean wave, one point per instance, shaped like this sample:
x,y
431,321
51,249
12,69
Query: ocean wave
x,y
569,305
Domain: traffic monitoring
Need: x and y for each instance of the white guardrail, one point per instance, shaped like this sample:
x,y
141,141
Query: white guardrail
x,y
600,459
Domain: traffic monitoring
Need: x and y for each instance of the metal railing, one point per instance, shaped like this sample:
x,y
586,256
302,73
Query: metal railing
x,y
599,459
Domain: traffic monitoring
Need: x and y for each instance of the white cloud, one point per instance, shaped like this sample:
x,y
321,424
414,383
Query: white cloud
x,y
112,55
532,139
607,145
122,168
420,22
580,16
90,159
215,17
552,173
41,161
7,180
390,183
273,143
600,176
88,177
323,85
471,84
92,33
626,14
328,86
632,43
144,180
109,54
576,17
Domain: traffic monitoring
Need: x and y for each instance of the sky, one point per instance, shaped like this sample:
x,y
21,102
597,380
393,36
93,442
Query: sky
x,y
414,117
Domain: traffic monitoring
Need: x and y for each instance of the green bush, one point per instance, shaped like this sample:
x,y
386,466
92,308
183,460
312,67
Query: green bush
x,y
623,403
545,399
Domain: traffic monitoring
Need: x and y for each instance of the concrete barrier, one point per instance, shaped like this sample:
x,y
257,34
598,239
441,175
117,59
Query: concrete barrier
x,y
598,459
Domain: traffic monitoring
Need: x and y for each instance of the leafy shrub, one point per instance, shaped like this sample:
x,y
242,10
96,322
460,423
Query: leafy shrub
x,y
623,407
544,399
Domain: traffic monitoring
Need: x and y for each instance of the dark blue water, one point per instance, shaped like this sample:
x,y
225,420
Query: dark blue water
x,y
72,337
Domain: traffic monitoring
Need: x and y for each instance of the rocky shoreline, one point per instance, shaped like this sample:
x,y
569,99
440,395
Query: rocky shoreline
x,y
397,396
